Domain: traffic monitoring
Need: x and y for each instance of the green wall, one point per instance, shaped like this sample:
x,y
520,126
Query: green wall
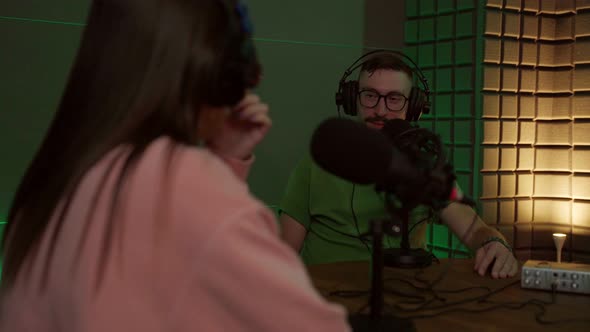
x,y
444,38
303,45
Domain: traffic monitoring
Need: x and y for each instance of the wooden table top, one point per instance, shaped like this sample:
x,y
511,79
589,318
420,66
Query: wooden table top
x,y
453,305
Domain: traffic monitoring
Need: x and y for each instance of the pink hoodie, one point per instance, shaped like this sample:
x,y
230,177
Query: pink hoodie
x,y
192,251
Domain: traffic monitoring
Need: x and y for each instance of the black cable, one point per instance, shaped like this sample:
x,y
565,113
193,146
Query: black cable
x,y
356,223
502,305
430,215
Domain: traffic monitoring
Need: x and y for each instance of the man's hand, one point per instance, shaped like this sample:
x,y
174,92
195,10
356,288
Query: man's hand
x,y
504,263
244,128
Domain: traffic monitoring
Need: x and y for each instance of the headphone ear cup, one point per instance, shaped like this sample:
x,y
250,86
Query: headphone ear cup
x,y
350,91
417,104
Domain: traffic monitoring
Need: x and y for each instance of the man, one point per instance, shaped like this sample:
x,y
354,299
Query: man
x,y
323,216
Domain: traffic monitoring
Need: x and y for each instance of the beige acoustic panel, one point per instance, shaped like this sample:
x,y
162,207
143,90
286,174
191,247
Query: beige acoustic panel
x,y
491,159
547,6
557,28
507,230
546,54
553,185
528,80
554,133
581,213
557,6
527,131
582,51
565,6
532,5
491,106
523,235
492,50
580,239
530,27
524,209
494,3
555,55
582,25
511,24
510,79
552,211
581,107
507,185
553,159
491,132
510,106
508,159
581,186
529,53
582,4
493,23
582,79
562,81
509,132
555,81
513,4
545,83
548,27
544,107
527,104
564,30
580,257
490,185
491,78
489,211
507,211
511,51
581,161
554,108
526,159
563,54
524,185
581,133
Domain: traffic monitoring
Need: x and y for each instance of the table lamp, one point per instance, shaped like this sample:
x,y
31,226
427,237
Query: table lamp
x,y
558,240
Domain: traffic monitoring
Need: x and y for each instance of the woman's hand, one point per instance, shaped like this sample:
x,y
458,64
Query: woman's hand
x,y
243,129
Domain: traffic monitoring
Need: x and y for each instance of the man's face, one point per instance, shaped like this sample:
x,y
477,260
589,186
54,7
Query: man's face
x,y
383,95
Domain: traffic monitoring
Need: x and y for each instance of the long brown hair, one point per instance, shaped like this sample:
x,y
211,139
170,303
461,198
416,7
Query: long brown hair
x,y
144,69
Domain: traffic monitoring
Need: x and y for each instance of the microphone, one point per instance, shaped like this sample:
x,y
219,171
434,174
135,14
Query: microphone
x,y
362,155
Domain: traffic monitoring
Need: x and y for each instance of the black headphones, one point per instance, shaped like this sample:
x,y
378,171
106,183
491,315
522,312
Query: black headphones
x,y
419,100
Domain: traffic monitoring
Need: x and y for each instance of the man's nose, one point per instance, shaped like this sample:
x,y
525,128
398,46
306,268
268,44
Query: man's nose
x,y
381,108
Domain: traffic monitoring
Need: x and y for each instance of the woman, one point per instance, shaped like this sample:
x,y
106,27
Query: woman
x,y
134,214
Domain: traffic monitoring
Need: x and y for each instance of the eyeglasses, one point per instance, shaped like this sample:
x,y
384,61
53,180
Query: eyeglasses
x,y
394,102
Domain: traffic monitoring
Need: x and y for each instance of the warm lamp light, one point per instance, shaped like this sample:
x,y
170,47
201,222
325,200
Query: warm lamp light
x,y
558,240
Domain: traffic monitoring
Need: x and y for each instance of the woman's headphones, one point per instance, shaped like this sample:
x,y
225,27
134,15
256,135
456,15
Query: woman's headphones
x,y
419,99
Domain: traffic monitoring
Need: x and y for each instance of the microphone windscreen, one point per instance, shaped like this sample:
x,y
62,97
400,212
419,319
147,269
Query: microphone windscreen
x,y
394,128
352,151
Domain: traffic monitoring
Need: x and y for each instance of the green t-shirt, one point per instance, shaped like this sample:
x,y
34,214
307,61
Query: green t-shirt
x,y
326,206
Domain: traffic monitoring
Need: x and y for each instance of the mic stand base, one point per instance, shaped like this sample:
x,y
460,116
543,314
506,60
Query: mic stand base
x,y
406,258
362,323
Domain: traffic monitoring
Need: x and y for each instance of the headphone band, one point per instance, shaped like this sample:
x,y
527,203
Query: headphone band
x,y
355,65
419,98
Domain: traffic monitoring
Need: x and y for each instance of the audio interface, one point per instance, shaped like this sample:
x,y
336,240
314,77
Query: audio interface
x,y
563,277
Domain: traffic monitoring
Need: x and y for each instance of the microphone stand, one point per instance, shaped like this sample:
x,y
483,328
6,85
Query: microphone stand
x,y
404,256
376,321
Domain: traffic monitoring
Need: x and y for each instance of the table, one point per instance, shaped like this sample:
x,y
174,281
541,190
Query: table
x,y
574,309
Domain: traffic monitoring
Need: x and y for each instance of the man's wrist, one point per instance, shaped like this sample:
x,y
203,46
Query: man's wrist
x,y
496,239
